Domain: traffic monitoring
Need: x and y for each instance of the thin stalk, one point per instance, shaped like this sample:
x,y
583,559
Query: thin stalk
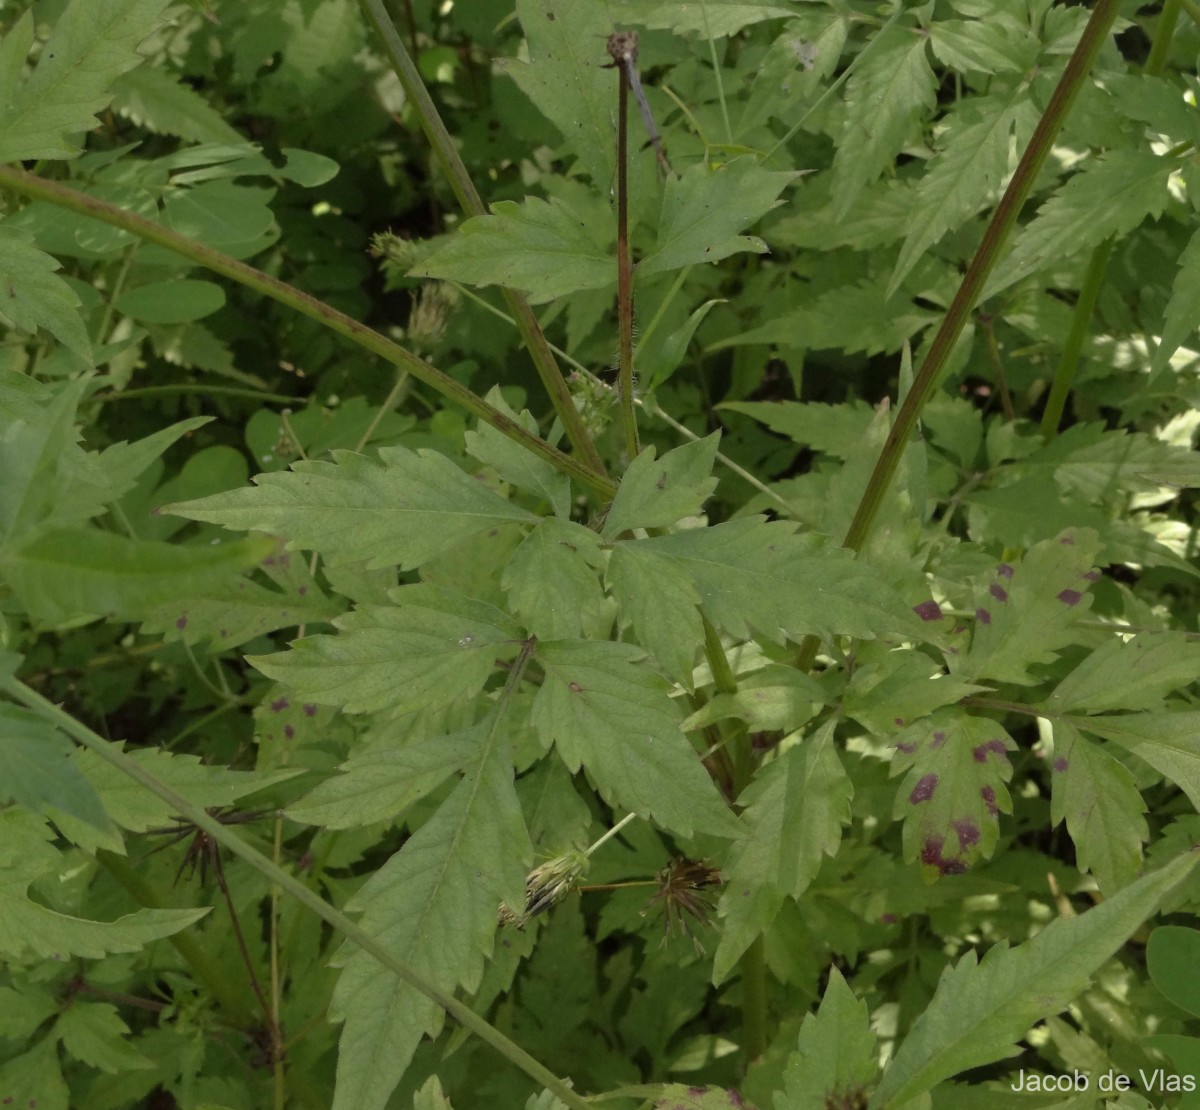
x,y
1068,363
29,185
389,402
229,840
611,832
753,966
1192,8
451,164
712,54
622,48
193,387
989,252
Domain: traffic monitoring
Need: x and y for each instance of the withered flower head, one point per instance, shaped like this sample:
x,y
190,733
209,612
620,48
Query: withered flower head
x,y
547,885
685,890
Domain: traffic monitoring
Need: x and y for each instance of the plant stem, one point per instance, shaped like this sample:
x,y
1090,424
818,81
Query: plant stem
x,y
40,188
1068,363
624,265
194,387
229,840
452,165
986,256
753,965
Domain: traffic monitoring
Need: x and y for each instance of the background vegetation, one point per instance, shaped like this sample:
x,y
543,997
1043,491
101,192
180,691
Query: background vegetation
x,y
400,710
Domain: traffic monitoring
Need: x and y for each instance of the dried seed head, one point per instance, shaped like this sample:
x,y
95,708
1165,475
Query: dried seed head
x,y
547,885
622,46
685,891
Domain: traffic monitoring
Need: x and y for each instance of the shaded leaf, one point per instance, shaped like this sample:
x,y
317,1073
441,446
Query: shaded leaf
x,y
160,102
171,302
33,296
1168,741
655,493
552,582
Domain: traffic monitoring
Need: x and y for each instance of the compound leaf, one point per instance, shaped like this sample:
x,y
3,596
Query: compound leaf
x,y
33,296
655,493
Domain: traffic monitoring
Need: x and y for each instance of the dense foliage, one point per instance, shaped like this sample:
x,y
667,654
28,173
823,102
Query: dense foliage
x,y
388,721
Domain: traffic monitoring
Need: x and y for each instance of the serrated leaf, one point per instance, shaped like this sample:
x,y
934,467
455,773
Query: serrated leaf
x,y
716,18
655,493
1097,797
678,1096
94,1033
93,43
36,770
834,429
546,249
379,785
407,510
158,101
514,464
968,169
1110,195
836,1056
704,210
776,698
1172,957
1029,609
552,581
567,81
431,648
902,687
658,359
1133,674
434,904
979,1011
662,606
125,462
35,1078
67,572
1182,315
33,296
795,809
1169,742
953,794
998,45
754,576
431,1096
607,711
884,96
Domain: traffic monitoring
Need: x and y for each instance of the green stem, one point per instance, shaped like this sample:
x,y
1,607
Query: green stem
x,y
39,188
229,840
1192,8
1068,363
624,274
986,256
753,966
452,165
198,960
195,387
1164,32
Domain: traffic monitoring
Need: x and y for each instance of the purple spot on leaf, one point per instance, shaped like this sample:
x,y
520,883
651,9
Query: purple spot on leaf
x,y
735,1100
998,592
980,753
1067,540
310,710
906,747
574,687
224,633
898,722
931,852
289,732
887,918
928,611
1060,764
302,590
1004,570
939,738
1093,576
181,623
983,616
997,747
924,789
989,799
1070,597
279,704
269,561
967,832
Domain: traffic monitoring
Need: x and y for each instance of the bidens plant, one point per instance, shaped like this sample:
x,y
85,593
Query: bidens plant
x,y
719,732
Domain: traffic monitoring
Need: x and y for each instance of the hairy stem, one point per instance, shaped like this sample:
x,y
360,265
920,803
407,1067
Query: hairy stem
x,y
452,165
625,273
40,188
229,840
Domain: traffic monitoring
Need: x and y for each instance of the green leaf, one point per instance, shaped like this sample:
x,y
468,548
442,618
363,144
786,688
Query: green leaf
x,y
834,429
431,648
979,1011
655,493
93,43
889,691
1097,796
1172,958
171,302
236,219
160,102
36,770
434,904
431,1096
33,296
754,575
70,572
967,171
884,96
704,209
1111,195
1182,315
678,1096
1129,674
379,785
35,1079
795,808
567,80
658,360
552,581
954,793
715,18
1169,742
407,510
607,711
546,249
1029,610
94,1034
662,606
836,1056
776,698
124,462
516,465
